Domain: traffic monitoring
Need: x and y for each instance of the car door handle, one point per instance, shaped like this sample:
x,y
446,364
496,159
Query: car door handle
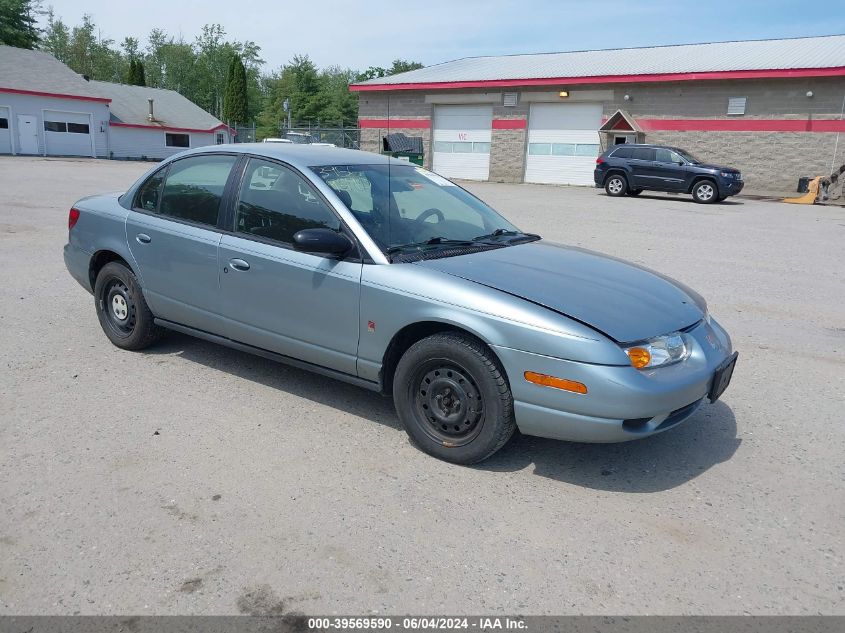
x,y
239,264
143,238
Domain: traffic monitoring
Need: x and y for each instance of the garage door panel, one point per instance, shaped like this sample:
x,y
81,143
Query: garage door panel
x,y
462,136
563,143
67,133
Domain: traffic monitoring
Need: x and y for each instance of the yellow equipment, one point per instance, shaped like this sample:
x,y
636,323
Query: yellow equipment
x,y
810,196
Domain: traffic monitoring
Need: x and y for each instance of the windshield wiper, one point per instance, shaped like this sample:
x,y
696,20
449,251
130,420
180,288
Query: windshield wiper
x,y
515,235
434,241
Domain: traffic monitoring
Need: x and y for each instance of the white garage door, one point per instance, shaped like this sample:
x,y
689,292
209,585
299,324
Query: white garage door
x,y
563,143
67,133
462,141
5,130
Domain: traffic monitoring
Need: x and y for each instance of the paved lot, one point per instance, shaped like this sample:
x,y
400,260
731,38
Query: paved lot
x,y
196,479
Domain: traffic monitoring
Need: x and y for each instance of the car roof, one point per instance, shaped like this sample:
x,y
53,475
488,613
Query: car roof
x,y
300,155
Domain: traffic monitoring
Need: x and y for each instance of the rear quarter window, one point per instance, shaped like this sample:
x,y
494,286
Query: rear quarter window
x,y
622,152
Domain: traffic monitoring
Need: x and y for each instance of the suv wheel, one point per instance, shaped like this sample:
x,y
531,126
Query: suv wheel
x,y
704,192
616,185
453,398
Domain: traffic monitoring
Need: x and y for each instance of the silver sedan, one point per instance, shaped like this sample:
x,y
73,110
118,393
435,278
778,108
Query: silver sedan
x,y
383,274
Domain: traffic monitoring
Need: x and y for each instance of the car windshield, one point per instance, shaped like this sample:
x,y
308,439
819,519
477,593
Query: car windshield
x,y
687,156
408,210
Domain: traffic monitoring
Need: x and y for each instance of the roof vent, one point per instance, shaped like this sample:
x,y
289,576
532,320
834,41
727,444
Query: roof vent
x,y
510,99
151,116
736,105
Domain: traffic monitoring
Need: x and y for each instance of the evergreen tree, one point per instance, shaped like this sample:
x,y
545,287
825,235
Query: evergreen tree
x,y
139,72
18,23
235,102
133,71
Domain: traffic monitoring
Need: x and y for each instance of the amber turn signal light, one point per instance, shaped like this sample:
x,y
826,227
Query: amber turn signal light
x,y
640,357
558,383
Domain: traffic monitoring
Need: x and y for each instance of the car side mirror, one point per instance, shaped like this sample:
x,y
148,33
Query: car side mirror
x,y
322,241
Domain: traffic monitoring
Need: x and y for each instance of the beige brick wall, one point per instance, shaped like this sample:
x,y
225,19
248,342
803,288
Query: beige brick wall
x,y
771,162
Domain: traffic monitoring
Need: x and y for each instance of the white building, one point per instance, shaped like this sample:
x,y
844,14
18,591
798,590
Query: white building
x,y
49,110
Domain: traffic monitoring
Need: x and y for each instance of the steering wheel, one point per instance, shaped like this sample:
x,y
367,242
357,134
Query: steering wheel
x,y
422,217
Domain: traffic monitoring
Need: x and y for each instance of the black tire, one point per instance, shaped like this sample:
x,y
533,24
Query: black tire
x,y
705,192
634,192
453,398
616,185
123,314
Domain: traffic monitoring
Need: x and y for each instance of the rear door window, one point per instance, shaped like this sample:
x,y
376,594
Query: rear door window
x,y
194,188
642,153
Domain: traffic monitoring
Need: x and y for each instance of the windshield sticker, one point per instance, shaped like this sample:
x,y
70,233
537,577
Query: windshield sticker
x,y
437,180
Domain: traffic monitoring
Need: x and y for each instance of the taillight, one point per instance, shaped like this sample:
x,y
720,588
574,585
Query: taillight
x,y
599,160
72,218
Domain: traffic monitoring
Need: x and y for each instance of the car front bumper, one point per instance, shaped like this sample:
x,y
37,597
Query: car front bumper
x,y
622,403
77,262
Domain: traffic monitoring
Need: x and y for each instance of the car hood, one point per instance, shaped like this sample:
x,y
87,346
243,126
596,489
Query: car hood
x,y
714,167
622,300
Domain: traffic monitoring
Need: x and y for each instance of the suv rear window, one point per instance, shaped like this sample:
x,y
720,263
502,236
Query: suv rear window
x,y
622,152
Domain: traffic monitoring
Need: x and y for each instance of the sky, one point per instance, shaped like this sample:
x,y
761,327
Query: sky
x,y
375,32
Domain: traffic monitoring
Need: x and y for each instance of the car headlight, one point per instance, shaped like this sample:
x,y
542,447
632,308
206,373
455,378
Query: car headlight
x,y
660,351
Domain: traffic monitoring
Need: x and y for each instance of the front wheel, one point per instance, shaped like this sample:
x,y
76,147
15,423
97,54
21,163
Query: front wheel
x,y
616,185
453,398
121,309
704,192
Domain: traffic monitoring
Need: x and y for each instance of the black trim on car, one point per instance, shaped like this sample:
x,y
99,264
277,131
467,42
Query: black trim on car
x,y
259,351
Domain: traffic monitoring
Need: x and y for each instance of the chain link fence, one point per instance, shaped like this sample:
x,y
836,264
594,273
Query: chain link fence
x,y
341,136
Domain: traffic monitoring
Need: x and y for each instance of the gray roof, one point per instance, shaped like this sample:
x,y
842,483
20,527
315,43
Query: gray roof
x,y
22,69
129,105
806,52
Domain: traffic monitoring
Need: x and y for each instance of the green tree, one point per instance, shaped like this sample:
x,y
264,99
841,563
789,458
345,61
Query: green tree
x,y
56,40
235,98
18,23
131,73
140,76
399,66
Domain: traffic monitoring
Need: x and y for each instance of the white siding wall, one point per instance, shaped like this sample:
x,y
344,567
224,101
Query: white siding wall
x,y
33,105
132,142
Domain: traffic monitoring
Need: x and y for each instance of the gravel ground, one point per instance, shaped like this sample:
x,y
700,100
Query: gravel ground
x,y
195,479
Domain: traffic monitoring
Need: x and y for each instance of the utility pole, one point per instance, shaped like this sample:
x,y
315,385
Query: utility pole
x,y
286,108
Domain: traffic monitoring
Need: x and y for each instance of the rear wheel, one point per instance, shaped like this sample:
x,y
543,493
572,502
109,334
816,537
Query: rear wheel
x,y
616,185
453,398
121,309
704,192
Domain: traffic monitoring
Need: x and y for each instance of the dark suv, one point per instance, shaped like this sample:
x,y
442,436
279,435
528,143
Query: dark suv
x,y
631,169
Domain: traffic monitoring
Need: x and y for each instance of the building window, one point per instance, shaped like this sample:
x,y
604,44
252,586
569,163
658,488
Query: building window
x,y
78,128
177,140
220,138
736,105
563,149
55,126
4,124
461,147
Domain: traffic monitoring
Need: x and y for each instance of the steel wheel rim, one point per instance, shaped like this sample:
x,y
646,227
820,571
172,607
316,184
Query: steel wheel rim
x,y
615,185
118,308
447,402
705,191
